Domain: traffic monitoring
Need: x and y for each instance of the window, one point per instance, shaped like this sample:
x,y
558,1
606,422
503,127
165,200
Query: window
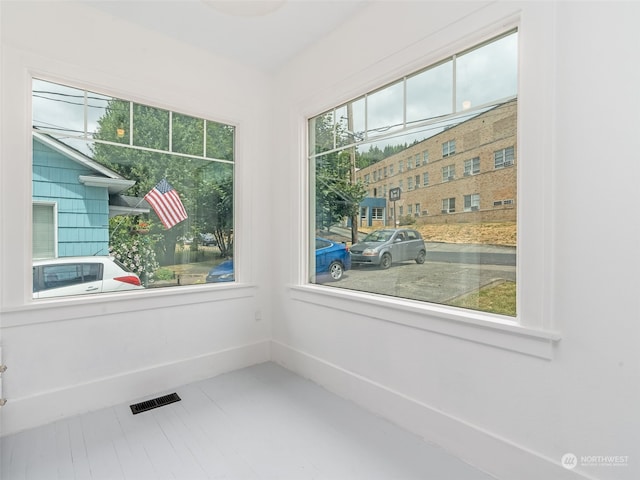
x,y
503,158
448,148
448,205
423,111
377,213
367,178
149,187
448,173
471,202
472,166
44,231
385,172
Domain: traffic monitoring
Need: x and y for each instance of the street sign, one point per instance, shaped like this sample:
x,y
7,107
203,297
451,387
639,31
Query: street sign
x,y
394,194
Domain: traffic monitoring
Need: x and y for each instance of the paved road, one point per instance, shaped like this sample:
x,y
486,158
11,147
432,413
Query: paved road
x,y
451,270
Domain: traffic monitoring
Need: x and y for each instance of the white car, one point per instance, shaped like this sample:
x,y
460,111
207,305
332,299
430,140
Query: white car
x,y
58,277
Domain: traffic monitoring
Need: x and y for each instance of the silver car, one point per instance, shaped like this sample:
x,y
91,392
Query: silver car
x,y
383,247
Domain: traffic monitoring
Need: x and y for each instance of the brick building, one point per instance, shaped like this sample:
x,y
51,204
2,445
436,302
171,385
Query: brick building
x,y
466,173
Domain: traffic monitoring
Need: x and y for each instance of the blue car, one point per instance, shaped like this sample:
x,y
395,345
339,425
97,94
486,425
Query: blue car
x,y
331,258
223,272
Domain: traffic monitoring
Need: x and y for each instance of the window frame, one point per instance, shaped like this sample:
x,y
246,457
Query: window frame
x,y
532,333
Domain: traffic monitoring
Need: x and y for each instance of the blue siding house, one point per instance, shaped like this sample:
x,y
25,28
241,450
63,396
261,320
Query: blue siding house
x,y
72,196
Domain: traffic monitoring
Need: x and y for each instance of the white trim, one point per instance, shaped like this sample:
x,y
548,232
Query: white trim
x,y
45,407
62,309
477,327
114,185
472,443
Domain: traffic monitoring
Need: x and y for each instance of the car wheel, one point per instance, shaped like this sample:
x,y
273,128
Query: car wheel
x,y
421,256
385,261
336,270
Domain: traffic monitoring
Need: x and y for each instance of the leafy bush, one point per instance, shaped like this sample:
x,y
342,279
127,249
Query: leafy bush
x,y
133,250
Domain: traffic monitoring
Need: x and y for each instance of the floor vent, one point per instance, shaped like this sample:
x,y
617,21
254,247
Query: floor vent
x,y
154,403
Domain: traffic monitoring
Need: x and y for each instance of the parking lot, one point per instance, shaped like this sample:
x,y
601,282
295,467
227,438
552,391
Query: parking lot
x,y
450,270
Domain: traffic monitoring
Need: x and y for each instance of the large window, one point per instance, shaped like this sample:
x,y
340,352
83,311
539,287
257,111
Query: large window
x,y
146,190
464,106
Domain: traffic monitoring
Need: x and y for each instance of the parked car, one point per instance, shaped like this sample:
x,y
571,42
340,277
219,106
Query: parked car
x,y
64,276
332,258
208,239
383,247
223,272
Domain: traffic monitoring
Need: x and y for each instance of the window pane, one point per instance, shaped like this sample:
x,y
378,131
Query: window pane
x,y
463,224
430,93
487,73
187,135
385,110
153,217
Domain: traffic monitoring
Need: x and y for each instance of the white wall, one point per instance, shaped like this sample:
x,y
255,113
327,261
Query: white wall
x,y
65,357
513,414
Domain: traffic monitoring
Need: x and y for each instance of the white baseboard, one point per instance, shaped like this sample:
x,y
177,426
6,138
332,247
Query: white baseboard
x,y
46,407
484,450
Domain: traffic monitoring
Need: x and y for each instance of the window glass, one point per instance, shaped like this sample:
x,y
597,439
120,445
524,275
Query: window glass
x,y
462,255
130,183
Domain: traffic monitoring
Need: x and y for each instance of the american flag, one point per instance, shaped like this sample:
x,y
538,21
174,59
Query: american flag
x,y
165,201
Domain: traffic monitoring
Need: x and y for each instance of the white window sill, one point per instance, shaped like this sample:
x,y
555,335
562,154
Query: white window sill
x,y
70,308
469,325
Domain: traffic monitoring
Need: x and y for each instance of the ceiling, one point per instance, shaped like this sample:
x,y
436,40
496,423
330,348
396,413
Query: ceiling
x,y
264,34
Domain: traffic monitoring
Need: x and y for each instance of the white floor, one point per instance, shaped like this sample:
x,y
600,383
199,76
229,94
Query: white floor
x,y
262,422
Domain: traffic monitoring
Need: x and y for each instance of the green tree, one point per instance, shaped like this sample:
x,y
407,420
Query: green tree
x,y
205,186
337,192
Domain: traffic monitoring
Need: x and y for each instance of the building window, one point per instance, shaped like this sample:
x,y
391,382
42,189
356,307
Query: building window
x,y
45,244
377,213
448,205
385,172
448,148
448,173
149,187
503,158
472,202
433,96
472,166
